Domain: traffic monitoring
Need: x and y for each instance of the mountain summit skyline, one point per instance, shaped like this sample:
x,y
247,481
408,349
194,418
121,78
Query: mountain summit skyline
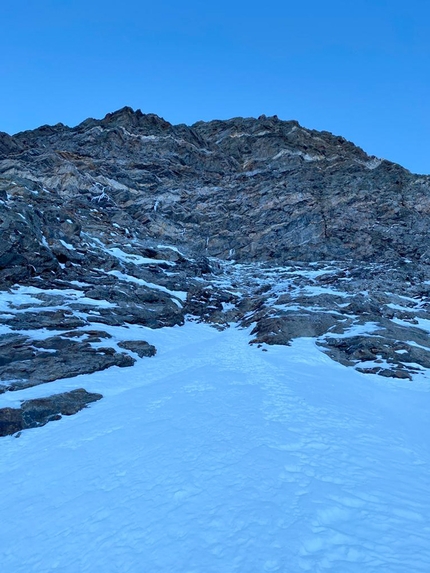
x,y
263,189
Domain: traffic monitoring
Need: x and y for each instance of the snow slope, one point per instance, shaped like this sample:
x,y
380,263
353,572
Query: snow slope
x,y
218,457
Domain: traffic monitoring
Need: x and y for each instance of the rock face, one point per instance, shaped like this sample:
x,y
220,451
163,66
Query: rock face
x,y
131,221
244,189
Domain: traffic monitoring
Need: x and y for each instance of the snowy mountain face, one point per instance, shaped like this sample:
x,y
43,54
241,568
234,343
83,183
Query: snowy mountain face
x,y
229,324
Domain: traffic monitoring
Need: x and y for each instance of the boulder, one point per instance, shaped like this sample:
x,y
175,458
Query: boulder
x,y
140,347
40,411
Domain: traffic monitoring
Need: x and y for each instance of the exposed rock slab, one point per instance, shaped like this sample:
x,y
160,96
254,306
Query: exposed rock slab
x,y
38,412
283,329
140,347
25,362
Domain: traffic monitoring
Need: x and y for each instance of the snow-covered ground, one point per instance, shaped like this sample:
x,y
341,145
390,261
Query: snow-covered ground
x,y
217,457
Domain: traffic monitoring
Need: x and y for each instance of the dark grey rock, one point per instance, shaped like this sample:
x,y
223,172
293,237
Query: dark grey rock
x,y
140,347
283,329
14,347
358,349
40,411
52,320
30,363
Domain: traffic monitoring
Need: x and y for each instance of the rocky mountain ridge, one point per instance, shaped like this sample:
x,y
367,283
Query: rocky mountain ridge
x,y
244,189
130,220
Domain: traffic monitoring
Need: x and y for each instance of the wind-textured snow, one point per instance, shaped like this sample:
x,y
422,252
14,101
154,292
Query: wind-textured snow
x,y
217,457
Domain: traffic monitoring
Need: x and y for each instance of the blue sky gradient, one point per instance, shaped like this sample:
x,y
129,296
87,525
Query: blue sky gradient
x,y
359,69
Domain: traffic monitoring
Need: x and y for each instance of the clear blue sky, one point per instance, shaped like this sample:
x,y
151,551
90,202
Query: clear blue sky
x,y
357,68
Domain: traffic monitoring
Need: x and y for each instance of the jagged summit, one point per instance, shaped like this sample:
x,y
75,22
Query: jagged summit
x,y
128,118
289,136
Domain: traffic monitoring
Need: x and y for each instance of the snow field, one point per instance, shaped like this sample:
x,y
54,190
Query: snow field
x,y
215,456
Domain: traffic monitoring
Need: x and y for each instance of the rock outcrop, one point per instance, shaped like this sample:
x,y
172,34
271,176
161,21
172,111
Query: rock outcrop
x,y
38,412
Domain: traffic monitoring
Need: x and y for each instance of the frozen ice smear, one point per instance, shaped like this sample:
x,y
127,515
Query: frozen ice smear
x,y
182,295
216,456
136,259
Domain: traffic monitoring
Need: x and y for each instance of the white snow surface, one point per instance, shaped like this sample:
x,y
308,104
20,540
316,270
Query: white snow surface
x,y
215,457
23,299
